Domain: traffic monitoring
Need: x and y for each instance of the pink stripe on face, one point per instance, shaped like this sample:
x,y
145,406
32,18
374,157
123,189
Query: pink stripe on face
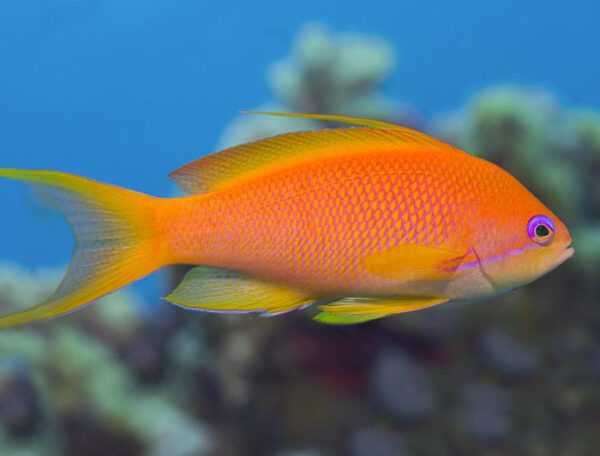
x,y
495,258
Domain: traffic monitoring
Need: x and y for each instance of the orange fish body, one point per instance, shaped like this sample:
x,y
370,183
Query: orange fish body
x,y
367,222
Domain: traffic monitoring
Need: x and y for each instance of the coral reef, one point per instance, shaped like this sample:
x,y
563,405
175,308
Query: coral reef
x,y
516,375
326,73
65,389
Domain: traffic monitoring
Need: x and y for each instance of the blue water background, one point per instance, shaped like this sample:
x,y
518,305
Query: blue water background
x,y
126,91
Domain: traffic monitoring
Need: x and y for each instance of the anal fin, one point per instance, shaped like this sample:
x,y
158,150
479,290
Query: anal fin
x,y
330,318
219,291
358,310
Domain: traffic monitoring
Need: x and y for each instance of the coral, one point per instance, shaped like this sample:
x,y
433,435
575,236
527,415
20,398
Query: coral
x,y
333,73
486,411
508,358
326,73
375,440
584,145
401,387
65,375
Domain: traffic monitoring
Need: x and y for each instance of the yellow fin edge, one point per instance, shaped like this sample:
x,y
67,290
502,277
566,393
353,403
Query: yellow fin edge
x,y
328,118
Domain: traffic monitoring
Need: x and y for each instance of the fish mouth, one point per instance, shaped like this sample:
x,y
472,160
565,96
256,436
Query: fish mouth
x,y
565,255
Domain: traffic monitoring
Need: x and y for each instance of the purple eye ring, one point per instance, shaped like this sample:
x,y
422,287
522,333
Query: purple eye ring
x,y
541,229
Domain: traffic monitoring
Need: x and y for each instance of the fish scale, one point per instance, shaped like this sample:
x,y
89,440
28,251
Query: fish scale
x,y
375,206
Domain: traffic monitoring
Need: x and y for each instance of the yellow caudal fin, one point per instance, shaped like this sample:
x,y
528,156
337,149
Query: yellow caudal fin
x,y
118,240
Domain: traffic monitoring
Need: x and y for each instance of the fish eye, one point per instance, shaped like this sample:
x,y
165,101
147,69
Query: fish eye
x,y
541,229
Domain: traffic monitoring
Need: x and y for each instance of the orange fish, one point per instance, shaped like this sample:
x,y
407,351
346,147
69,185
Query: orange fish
x,y
364,222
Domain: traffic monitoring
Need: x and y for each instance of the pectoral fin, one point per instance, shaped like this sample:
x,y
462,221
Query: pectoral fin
x,y
358,310
221,291
415,262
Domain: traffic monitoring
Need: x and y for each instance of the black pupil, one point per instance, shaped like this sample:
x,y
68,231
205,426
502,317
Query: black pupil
x,y
542,231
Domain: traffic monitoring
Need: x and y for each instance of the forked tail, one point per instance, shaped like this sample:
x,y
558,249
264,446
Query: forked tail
x,y
119,239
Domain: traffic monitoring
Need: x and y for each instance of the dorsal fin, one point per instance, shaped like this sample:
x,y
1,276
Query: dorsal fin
x,y
330,118
214,171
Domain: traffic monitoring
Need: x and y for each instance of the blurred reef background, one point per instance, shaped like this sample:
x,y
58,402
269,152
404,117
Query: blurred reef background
x,y
518,375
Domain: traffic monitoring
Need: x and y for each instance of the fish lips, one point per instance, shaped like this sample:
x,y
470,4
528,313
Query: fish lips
x,y
565,255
